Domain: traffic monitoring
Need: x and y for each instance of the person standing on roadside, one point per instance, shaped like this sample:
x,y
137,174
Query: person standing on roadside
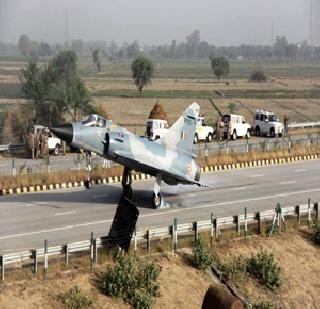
x,y
37,144
286,125
218,130
31,140
43,143
229,128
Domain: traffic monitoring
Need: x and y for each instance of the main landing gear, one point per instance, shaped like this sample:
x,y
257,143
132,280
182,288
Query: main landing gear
x,y
127,189
156,196
88,182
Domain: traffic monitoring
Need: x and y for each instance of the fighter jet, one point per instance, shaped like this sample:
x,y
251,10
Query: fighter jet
x,y
169,159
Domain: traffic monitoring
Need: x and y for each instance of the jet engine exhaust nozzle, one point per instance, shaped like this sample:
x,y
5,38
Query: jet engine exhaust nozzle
x,y
64,132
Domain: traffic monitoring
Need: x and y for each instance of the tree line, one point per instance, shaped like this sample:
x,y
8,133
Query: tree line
x,y
192,48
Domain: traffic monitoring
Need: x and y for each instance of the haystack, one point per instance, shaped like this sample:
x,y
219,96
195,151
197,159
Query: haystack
x,y
158,112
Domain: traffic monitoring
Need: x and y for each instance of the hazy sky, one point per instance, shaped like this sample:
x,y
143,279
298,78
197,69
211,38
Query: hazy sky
x,y
222,22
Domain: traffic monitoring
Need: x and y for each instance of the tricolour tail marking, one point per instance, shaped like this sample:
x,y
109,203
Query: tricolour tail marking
x,y
181,133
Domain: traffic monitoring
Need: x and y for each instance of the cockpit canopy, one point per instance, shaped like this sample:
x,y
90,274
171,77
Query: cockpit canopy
x,y
94,120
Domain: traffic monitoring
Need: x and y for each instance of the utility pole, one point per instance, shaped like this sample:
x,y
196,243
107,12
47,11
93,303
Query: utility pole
x,y
66,30
311,24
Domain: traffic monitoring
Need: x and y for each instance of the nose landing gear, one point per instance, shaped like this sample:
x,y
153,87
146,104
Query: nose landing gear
x,y
156,196
88,182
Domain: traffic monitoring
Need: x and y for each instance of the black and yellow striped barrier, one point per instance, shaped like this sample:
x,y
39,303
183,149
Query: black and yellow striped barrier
x,y
140,176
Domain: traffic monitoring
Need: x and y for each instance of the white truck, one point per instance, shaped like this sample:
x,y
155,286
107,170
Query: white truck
x,y
54,143
156,128
236,126
266,123
203,131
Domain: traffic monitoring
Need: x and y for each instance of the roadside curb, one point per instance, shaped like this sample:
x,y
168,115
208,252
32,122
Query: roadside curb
x,y
139,176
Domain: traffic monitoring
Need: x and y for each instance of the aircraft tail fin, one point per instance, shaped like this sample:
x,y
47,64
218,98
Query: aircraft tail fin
x,y
181,133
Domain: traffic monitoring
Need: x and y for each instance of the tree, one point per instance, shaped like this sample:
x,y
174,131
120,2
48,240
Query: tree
x,y
68,90
24,44
280,47
232,108
220,66
291,51
133,50
36,87
55,90
258,76
96,59
142,72
44,49
192,46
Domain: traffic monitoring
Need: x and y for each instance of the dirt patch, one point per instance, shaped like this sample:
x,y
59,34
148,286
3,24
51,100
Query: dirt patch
x,y
181,287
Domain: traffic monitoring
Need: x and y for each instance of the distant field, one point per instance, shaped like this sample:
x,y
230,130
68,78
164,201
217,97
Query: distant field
x,y
292,88
139,109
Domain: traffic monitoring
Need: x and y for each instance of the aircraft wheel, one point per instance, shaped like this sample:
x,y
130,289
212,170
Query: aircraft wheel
x,y
195,139
127,191
156,200
88,184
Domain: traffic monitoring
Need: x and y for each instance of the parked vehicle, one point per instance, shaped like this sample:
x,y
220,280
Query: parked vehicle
x,y
156,128
267,123
203,131
235,126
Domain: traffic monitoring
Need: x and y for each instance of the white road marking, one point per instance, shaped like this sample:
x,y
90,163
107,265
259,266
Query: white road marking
x,y
65,213
300,171
251,199
257,175
288,182
101,195
239,188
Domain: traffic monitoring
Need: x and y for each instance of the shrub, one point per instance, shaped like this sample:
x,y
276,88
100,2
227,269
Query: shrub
x,y
202,257
73,299
234,270
264,267
316,232
258,76
134,282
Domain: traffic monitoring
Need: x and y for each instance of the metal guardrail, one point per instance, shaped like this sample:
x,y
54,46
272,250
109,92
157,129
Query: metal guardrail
x,y
11,147
171,231
299,125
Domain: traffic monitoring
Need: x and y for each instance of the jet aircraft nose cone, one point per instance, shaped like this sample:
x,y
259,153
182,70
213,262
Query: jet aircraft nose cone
x,y
64,132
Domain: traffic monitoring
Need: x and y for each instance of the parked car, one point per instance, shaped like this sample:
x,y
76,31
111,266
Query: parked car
x,y
203,131
267,123
236,125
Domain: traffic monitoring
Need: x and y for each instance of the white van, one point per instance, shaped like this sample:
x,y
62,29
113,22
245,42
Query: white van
x,y
156,128
236,125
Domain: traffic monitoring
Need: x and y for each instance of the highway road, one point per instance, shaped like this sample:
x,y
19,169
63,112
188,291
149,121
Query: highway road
x,y
70,160
68,215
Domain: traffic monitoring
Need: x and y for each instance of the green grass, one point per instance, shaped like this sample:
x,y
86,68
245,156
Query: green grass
x,y
201,69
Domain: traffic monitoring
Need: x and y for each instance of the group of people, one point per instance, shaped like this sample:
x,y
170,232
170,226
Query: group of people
x,y
37,143
220,129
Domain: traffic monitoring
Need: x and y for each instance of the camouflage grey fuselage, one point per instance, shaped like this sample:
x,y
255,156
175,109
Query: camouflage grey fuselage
x,y
171,156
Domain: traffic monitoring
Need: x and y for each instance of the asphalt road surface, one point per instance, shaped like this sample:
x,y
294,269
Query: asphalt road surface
x,y
64,216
